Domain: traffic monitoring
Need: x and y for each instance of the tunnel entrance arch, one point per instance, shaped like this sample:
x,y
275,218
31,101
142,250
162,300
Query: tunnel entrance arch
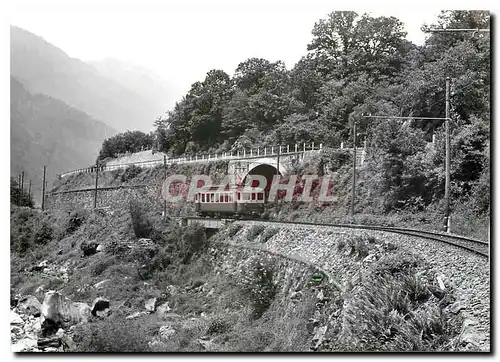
x,y
266,170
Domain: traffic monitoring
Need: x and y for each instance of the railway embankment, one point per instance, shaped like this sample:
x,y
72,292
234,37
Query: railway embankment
x,y
445,280
162,286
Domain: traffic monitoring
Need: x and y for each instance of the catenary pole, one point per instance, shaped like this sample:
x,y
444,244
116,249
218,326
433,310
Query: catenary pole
x,y
353,167
448,159
43,188
96,182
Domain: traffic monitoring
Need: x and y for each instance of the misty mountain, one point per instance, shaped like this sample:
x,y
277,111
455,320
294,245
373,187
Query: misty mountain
x,y
46,131
140,80
44,68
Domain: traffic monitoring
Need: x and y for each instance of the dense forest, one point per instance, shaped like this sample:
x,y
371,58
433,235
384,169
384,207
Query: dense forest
x,y
357,65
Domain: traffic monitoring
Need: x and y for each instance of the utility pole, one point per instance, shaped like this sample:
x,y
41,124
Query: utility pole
x,y
43,189
353,167
22,185
20,190
448,159
29,191
278,171
96,181
165,191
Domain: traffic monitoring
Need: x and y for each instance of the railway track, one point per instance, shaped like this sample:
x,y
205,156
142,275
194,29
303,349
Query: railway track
x,y
475,246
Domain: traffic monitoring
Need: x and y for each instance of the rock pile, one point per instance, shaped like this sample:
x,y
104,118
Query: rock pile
x,y
45,327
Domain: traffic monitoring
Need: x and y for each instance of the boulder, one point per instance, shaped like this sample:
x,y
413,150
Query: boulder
x,y
16,330
99,304
58,311
24,345
135,315
15,318
67,343
99,248
457,307
29,305
439,279
205,344
40,267
101,283
163,310
319,336
150,305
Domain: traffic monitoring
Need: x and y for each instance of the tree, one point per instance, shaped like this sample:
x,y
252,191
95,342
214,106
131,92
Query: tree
x,y
262,98
197,119
130,141
19,197
357,44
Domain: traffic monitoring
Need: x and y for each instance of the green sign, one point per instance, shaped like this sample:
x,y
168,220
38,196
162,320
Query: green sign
x,y
317,277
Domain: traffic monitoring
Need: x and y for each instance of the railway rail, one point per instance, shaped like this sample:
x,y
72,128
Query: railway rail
x,y
475,246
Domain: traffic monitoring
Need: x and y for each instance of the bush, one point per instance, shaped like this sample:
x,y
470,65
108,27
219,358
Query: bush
x,y
233,229
141,225
75,220
130,173
116,335
269,233
28,229
254,231
43,233
258,286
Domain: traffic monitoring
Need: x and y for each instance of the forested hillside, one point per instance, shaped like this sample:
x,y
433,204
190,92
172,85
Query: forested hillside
x,y
46,131
44,68
358,65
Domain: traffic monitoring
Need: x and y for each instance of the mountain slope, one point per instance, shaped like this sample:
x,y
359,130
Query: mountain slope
x,y
46,131
46,69
141,80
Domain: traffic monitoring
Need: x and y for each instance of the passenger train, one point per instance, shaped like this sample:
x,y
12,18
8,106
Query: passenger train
x,y
235,202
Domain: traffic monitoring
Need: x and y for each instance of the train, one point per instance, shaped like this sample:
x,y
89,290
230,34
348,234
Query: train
x,y
236,202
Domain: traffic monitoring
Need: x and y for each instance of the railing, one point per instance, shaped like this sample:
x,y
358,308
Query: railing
x,y
259,152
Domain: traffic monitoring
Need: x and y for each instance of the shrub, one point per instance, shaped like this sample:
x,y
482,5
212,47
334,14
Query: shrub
x,y
43,233
258,286
269,233
233,229
218,326
101,265
254,231
75,220
141,225
28,228
130,173
116,335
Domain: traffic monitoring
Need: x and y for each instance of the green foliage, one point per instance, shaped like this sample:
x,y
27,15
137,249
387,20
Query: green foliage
x,y
130,141
29,230
140,223
130,173
358,64
233,229
254,231
392,310
258,286
19,197
268,233
75,219
116,334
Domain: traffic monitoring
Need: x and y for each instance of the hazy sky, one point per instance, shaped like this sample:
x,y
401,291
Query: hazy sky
x,y
181,41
